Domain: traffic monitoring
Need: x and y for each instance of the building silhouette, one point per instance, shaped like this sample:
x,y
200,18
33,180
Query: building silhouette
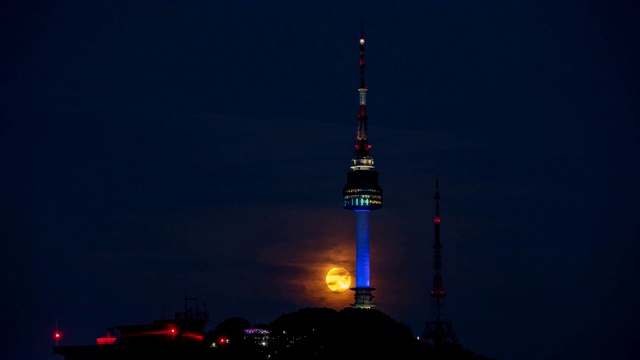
x,y
180,337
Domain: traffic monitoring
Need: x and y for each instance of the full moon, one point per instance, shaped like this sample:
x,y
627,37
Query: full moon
x,y
338,279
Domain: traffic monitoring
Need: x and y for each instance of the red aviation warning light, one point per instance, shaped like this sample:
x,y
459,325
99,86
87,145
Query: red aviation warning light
x,y
173,332
57,336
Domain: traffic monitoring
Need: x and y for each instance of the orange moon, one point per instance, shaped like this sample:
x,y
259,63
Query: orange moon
x,y
338,279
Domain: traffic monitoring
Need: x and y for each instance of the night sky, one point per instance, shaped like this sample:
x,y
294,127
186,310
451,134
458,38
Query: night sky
x,y
153,146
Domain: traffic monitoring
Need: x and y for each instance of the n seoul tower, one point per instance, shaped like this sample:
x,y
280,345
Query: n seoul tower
x,y
362,194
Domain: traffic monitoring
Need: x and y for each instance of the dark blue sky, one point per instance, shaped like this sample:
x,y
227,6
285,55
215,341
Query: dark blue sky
x,y
148,142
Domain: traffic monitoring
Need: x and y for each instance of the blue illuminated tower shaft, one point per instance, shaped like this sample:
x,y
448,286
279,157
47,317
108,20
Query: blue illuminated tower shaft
x,y
362,194
363,266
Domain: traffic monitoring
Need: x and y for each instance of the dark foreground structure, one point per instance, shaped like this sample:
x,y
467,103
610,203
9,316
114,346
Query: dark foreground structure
x,y
180,337
128,352
310,333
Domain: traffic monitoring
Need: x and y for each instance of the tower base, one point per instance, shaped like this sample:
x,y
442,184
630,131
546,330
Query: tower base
x,y
438,333
363,297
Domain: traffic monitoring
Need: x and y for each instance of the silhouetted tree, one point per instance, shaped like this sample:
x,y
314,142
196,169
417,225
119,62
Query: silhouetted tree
x,y
324,333
231,329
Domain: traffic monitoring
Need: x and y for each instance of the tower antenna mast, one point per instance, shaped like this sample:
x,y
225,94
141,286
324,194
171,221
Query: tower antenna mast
x,y
437,331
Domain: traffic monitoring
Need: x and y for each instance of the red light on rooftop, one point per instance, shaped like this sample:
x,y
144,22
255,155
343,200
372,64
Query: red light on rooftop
x,y
172,332
436,220
193,336
106,340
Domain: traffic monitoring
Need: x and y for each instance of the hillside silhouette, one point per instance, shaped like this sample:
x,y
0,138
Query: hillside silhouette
x,y
324,333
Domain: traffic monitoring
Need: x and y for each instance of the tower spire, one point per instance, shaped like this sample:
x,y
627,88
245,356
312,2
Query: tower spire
x,y
362,194
436,330
362,144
